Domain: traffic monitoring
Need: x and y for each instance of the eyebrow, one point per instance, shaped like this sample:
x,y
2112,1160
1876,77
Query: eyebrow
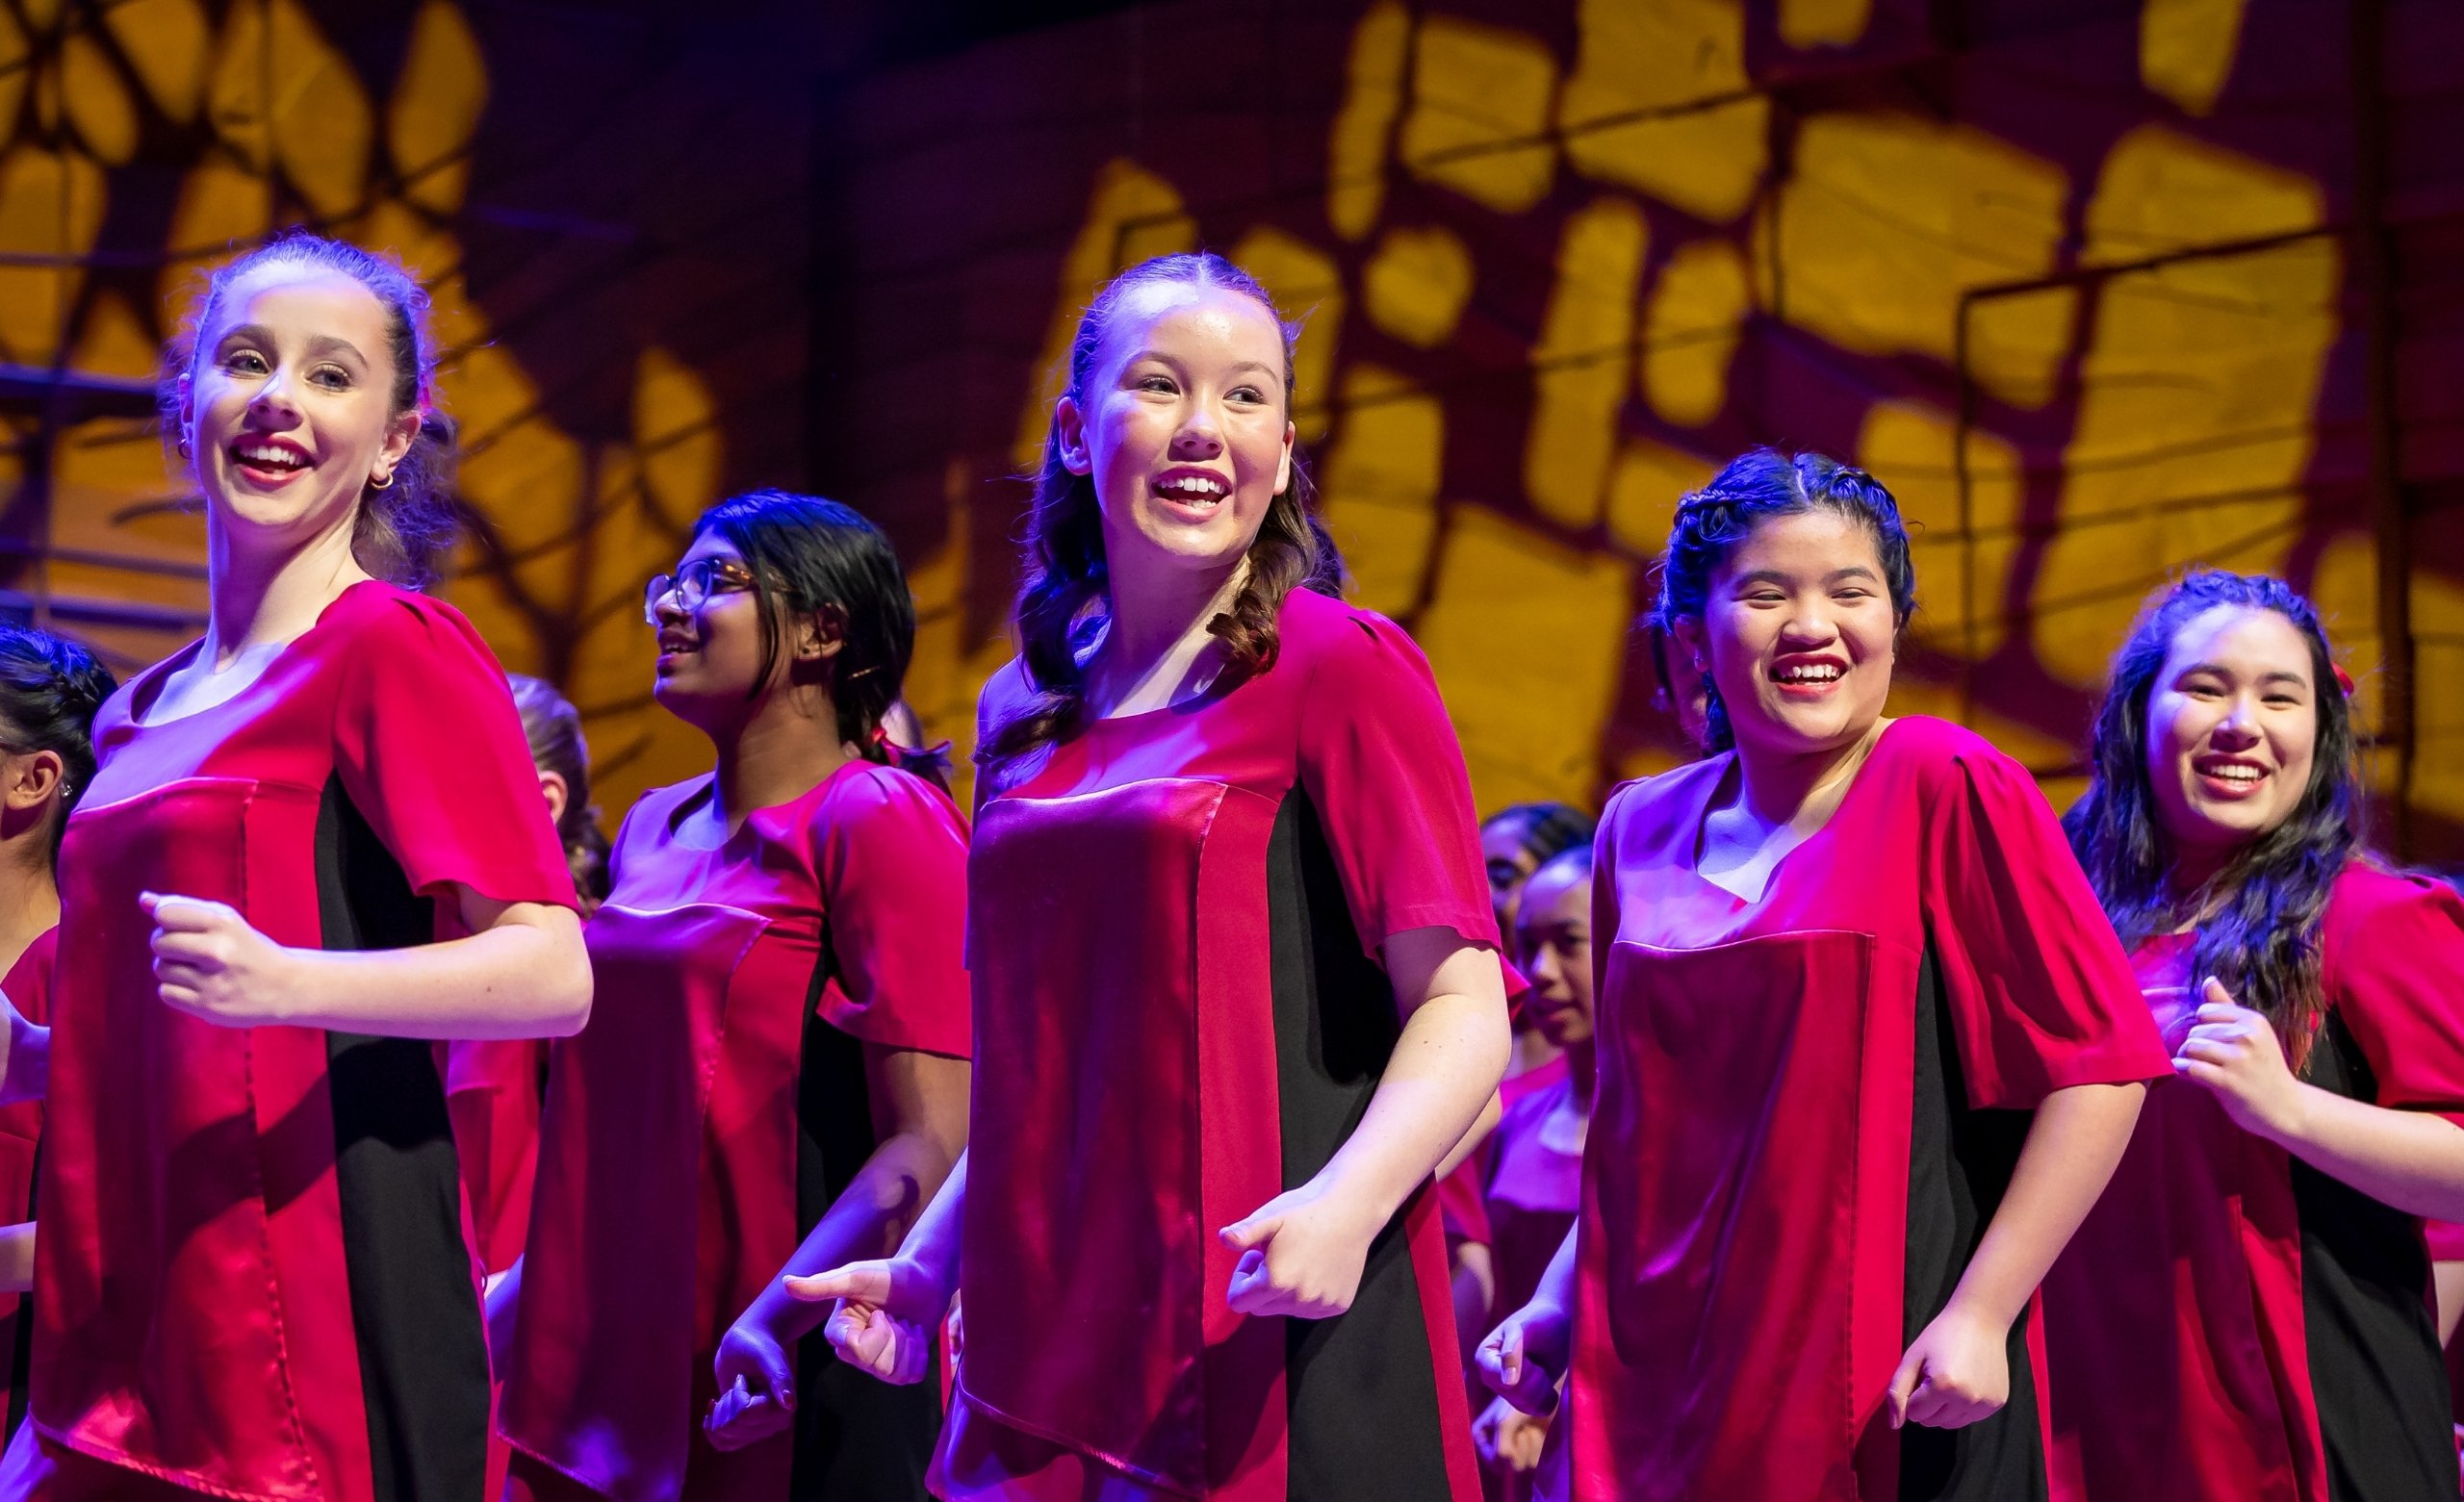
x,y
1160,358
322,344
1856,570
2280,675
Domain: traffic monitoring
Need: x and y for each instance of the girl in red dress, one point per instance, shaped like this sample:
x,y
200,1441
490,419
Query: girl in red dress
x,y
493,1088
1534,1181
2246,1312
1867,1050
312,843
778,1054
1233,947
49,690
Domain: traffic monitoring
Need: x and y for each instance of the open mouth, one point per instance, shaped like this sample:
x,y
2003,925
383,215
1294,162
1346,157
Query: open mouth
x,y
266,463
1809,677
2229,776
1193,489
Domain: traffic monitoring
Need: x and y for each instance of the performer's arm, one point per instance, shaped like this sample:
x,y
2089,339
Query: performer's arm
x,y
1958,1371
887,1312
1525,1356
1302,1251
25,1057
520,973
919,1105
2411,1160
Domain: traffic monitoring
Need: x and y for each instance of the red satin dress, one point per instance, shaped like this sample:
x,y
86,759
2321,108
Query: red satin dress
x,y
1176,918
28,988
493,1090
1809,1106
2232,1323
252,1279
714,1109
1533,1192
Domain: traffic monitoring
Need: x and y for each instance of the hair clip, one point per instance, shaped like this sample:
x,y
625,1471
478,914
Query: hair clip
x,y
2343,679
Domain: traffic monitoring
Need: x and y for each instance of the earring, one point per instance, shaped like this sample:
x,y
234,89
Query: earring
x,y
384,481
183,447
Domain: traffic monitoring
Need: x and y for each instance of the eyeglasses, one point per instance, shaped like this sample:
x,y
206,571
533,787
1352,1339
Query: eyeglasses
x,y
694,584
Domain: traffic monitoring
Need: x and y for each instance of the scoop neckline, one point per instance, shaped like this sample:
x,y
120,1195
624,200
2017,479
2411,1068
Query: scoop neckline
x,y
148,689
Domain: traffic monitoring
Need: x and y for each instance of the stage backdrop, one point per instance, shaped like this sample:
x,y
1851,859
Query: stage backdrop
x,y
2100,287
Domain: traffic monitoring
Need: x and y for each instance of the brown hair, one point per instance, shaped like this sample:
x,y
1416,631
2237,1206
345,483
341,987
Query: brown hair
x,y
1063,594
403,532
552,727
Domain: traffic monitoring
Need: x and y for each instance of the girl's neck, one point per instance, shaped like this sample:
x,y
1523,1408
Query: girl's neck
x,y
264,596
29,896
786,748
1800,788
1155,632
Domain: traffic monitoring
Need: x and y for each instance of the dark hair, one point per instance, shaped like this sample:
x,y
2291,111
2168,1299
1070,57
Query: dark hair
x,y
403,532
49,690
1544,831
1762,486
552,727
809,556
1063,588
2259,917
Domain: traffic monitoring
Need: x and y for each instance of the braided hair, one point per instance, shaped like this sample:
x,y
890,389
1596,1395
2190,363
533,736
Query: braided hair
x,y
50,688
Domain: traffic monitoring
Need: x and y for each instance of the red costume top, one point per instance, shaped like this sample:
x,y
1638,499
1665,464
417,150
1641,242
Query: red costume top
x,y
714,1106
2230,1321
1809,1106
252,1278
493,1090
27,986
1176,919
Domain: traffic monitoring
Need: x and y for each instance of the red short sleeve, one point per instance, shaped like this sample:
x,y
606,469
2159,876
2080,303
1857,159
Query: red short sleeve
x,y
1379,760
2041,993
430,750
891,851
2393,972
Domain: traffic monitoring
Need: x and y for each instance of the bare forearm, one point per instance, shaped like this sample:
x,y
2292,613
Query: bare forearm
x,y
1485,1123
2070,1152
880,1207
25,1059
2412,1160
17,1257
512,982
1444,1072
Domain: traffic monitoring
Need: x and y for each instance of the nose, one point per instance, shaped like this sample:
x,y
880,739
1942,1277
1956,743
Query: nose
x,y
272,403
1808,624
1199,436
2241,723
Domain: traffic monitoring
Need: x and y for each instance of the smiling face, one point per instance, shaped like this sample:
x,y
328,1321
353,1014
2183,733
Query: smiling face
x,y
1183,426
1552,936
709,658
2232,729
289,409
1799,633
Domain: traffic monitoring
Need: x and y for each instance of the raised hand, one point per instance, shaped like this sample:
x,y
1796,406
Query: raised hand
x,y
210,964
1957,1372
2233,1052
757,1386
1301,1255
889,1315
1525,1357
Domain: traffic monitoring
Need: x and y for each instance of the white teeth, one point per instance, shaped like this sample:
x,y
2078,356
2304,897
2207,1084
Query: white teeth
x,y
279,458
1810,672
1189,487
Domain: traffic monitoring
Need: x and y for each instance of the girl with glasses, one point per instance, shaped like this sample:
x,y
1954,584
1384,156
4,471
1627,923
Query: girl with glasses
x,y
775,1077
